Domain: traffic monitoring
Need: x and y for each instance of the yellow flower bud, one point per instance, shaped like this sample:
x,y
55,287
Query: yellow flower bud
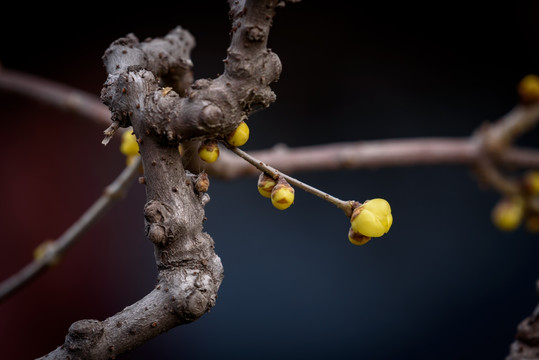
x,y
239,136
282,195
357,239
41,250
531,182
373,218
209,151
129,145
265,185
508,213
528,88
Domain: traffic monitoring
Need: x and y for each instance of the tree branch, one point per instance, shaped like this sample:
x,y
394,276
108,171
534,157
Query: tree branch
x,y
494,139
211,108
52,93
138,93
526,344
115,191
502,133
335,156
346,206
368,154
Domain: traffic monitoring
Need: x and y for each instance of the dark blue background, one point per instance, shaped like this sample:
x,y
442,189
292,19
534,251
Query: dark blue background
x,y
444,283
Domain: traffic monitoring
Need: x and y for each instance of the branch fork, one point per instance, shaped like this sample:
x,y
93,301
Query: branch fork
x,y
150,88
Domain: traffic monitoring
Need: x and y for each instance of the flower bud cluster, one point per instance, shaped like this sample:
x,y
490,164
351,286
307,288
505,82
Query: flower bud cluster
x,y
209,149
279,191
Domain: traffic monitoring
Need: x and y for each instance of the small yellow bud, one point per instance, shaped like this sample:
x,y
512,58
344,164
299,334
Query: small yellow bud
x,y
508,213
357,239
282,195
41,250
531,182
373,218
239,136
265,185
209,151
129,145
528,88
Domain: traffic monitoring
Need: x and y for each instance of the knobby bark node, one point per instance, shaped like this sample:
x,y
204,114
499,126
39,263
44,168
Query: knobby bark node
x,y
150,87
526,344
152,79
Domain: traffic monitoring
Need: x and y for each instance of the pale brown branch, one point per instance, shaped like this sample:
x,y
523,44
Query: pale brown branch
x,y
52,93
502,133
368,154
493,140
113,192
333,156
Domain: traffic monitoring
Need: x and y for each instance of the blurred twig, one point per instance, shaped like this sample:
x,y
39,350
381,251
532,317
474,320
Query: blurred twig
x,y
53,93
115,191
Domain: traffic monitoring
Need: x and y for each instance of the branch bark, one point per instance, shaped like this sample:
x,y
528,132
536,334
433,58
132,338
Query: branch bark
x,y
526,344
148,88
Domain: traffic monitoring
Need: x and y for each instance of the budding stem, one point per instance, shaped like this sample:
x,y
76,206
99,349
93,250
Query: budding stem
x,y
346,206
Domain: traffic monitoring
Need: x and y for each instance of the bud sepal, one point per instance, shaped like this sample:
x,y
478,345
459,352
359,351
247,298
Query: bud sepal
x,y
265,185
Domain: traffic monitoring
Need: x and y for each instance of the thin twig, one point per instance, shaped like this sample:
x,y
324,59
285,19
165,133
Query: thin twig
x,y
115,191
346,206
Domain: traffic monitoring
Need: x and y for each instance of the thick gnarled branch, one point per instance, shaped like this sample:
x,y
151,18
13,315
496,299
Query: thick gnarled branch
x,y
210,108
163,113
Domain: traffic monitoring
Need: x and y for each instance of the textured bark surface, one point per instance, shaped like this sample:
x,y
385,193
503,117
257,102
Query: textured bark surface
x,y
149,87
526,344
140,74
